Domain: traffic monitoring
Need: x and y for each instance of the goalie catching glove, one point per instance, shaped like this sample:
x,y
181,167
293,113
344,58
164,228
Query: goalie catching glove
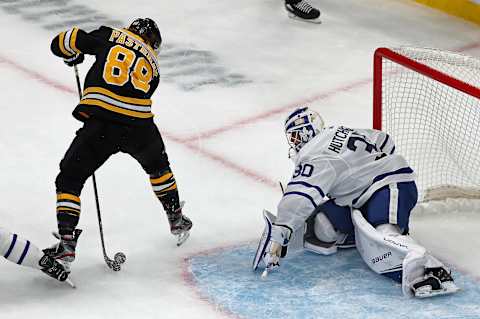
x,y
273,243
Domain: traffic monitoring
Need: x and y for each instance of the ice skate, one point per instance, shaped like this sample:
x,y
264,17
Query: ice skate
x,y
180,225
436,281
302,10
52,268
64,251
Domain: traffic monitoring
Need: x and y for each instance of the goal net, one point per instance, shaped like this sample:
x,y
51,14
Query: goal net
x,y
429,102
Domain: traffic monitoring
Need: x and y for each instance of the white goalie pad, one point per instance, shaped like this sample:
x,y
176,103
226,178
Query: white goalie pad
x,y
295,243
385,253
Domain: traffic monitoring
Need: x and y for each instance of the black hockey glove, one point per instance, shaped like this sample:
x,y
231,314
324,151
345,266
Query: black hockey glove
x,y
76,59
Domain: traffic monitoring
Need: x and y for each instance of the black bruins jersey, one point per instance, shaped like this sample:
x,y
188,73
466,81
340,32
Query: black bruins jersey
x,y
120,83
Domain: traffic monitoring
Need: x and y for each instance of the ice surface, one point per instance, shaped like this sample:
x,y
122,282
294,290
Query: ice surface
x,y
308,285
232,70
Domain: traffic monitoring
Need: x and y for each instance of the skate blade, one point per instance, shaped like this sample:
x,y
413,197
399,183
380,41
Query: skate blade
x,y
70,283
429,293
181,238
313,21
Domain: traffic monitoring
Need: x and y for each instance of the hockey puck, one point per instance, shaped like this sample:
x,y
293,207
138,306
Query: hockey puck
x,y
116,266
120,258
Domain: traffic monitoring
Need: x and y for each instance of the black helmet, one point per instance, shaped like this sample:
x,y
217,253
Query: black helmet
x,y
148,30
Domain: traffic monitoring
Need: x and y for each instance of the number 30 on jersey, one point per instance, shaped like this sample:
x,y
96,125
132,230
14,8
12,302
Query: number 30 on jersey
x,y
304,170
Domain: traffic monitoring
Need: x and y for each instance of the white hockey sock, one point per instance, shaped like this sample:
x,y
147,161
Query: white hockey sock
x,y
18,250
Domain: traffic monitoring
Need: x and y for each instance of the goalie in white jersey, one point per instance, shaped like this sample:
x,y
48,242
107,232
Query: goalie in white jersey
x,y
350,189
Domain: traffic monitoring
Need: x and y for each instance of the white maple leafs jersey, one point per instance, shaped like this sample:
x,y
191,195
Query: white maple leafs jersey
x,y
344,164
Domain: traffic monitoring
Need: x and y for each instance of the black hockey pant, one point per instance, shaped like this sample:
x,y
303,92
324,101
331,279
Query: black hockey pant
x,y
93,144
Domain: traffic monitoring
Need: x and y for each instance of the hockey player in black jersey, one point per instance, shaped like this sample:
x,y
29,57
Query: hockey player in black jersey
x,y
116,111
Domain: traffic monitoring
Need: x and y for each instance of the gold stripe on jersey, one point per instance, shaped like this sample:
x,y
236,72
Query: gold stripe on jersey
x,y
61,41
67,43
73,39
101,97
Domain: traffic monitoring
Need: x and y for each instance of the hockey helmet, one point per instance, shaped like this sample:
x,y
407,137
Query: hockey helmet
x,y
301,126
148,30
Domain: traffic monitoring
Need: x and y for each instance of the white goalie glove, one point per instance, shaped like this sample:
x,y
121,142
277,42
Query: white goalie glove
x,y
273,244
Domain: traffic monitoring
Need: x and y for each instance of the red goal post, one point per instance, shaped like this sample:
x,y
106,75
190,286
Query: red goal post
x,y
428,100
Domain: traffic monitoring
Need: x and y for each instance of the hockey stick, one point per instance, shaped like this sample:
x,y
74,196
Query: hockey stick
x,y
119,258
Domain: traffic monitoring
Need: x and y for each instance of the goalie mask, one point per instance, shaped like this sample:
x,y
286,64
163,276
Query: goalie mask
x,y
148,30
301,126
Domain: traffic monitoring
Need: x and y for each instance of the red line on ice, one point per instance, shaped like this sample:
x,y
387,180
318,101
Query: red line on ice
x,y
283,109
191,145
35,75
190,142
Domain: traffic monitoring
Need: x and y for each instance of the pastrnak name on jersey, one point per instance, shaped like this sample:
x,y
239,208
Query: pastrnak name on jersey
x,y
130,40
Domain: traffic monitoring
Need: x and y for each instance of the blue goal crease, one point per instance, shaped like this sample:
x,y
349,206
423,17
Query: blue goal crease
x,y
313,286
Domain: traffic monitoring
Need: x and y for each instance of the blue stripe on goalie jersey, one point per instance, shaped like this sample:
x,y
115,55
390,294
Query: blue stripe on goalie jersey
x,y
303,195
385,150
24,253
404,170
384,142
12,245
322,194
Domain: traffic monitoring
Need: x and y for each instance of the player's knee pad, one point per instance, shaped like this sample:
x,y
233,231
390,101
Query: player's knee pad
x,y
324,229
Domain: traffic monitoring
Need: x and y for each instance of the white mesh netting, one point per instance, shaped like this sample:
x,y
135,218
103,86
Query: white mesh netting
x,y
435,126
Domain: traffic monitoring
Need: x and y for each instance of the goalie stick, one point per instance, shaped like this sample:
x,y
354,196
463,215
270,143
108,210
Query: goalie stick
x,y
119,258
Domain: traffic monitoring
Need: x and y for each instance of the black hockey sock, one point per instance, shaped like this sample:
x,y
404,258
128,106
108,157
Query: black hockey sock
x,y
165,188
68,212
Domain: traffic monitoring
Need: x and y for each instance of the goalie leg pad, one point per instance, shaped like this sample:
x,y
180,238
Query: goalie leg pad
x,y
399,257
